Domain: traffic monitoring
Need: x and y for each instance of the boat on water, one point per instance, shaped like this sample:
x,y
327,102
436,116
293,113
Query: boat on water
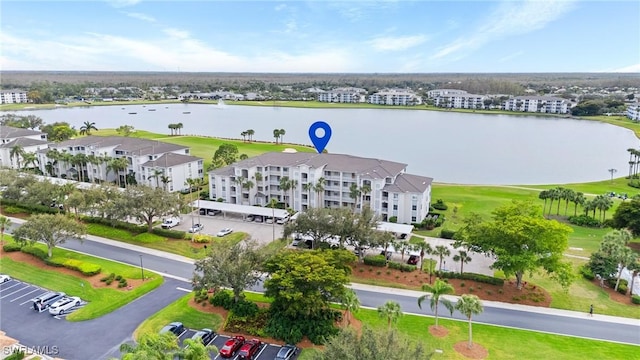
x,y
187,112
152,109
132,113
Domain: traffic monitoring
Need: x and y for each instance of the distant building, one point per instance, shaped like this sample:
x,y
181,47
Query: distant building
x,y
343,95
633,112
441,92
13,96
26,140
395,97
393,192
541,104
461,101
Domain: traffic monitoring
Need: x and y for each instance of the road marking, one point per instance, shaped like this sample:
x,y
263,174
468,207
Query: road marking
x,y
183,289
30,292
7,288
261,350
26,287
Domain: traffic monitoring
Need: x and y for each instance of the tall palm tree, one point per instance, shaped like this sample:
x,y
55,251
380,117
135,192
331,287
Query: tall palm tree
x,y
172,128
391,311
285,186
87,127
179,127
54,157
156,175
631,162
544,195
365,190
354,193
281,132
441,251
81,161
165,181
276,135
5,222
294,185
319,189
436,291
469,305
579,199
308,187
568,195
351,304
463,258
250,133
244,136
425,249
29,159
16,153
248,185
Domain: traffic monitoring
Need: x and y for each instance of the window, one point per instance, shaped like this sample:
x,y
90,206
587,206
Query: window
x,y
395,196
414,207
395,207
413,219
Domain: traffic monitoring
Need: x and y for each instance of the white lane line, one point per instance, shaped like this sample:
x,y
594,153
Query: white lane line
x,y
19,297
17,291
7,288
261,350
183,289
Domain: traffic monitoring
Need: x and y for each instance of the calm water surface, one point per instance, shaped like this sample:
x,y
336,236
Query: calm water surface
x,y
450,147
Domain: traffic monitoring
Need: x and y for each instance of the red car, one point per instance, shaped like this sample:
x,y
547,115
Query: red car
x,y
249,349
231,346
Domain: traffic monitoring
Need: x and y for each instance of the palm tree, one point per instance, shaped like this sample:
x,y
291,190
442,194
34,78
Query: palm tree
x,y
390,311
5,222
276,134
16,152
251,132
165,181
441,251
351,304
293,185
308,187
579,199
196,350
463,258
282,132
568,195
319,189
544,195
469,305
80,160
179,127
244,136
248,184
365,190
29,159
87,127
631,162
354,193
438,289
425,249
156,175
172,127
272,205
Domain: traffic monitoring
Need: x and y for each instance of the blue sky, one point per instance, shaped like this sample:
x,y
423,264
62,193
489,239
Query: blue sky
x,y
321,36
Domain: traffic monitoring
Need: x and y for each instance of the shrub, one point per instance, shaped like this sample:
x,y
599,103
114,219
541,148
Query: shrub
x,y
635,299
109,281
118,277
447,234
222,298
471,276
57,262
622,288
584,220
402,266
122,283
132,228
10,210
108,277
634,183
462,284
489,292
244,308
440,205
12,247
168,233
37,252
375,260
17,354
586,272
393,219
470,289
378,272
202,238
87,269
201,296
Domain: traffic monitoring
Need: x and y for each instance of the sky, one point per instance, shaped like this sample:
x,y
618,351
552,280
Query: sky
x,y
351,36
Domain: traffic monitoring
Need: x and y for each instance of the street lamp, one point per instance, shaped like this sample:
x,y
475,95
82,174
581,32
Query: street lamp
x,y
141,267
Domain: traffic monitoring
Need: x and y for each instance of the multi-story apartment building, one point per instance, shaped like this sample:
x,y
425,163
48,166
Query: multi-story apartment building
x,y
395,97
441,92
149,162
13,96
17,141
542,104
324,180
461,101
343,95
633,112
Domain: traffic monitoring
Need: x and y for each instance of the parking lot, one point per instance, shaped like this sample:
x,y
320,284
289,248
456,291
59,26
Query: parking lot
x,y
261,232
17,297
266,351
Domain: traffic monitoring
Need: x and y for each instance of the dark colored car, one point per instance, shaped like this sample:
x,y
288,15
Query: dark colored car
x,y
205,335
175,327
413,260
249,349
287,352
231,346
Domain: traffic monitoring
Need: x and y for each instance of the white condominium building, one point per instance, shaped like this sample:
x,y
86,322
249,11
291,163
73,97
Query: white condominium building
x,y
343,95
149,162
324,180
542,104
395,97
461,101
13,96
633,112
441,92
16,142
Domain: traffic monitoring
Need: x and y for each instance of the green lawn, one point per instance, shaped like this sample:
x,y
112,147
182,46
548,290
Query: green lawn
x,y
153,241
182,312
502,343
101,301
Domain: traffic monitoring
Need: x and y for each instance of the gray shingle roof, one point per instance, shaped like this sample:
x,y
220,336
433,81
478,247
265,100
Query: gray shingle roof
x,y
409,183
24,142
171,159
134,146
12,132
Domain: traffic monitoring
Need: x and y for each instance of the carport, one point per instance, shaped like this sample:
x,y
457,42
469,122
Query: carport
x,y
240,209
397,229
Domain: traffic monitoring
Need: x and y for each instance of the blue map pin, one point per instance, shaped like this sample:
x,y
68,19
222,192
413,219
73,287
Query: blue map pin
x,y
320,142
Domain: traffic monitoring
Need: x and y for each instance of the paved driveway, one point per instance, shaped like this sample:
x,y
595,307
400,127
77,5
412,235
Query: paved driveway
x,y
261,232
93,339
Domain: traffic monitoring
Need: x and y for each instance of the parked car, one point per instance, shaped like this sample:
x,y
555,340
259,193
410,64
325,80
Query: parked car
x,y
168,223
196,228
224,232
413,260
287,352
268,220
231,346
249,349
258,219
282,221
212,212
175,327
205,335
63,305
4,278
249,218
43,301
202,211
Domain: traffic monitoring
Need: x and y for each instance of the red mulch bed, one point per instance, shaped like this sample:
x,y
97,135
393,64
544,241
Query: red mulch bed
x,y
439,331
476,351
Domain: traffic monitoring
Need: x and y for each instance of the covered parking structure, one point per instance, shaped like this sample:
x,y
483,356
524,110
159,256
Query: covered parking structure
x,y
240,209
400,230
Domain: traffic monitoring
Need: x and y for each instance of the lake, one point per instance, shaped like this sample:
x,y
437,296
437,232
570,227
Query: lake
x,y
448,146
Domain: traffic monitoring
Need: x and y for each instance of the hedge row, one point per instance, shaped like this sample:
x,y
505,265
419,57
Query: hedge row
x,y
401,266
470,276
12,247
375,260
28,208
587,273
174,234
635,299
37,252
132,228
85,268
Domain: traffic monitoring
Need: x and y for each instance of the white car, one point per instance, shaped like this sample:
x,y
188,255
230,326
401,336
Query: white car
x,y
196,228
4,278
63,305
170,222
224,232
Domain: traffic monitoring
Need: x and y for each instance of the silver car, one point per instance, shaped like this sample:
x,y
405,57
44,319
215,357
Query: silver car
x,y
63,305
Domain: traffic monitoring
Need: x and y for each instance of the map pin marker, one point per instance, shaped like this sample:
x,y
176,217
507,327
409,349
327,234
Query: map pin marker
x,y
320,142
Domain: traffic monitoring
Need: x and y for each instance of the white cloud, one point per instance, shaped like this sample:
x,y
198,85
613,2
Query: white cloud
x,y
635,68
141,16
397,43
123,3
511,56
176,33
280,7
510,18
